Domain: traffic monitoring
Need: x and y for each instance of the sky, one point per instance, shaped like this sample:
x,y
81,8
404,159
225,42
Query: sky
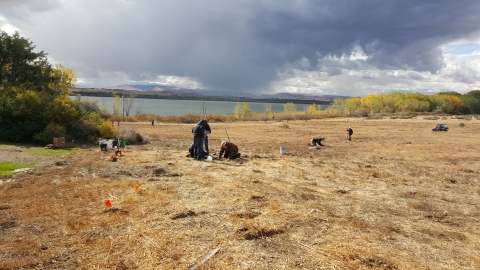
x,y
318,47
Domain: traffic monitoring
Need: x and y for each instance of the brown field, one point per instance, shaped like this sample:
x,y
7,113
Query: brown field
x,y
399,196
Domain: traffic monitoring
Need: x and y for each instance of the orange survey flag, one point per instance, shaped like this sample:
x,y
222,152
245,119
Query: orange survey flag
x,y
136,187
108,204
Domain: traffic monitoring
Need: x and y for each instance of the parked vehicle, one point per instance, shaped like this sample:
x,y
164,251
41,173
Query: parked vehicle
x,y
440,127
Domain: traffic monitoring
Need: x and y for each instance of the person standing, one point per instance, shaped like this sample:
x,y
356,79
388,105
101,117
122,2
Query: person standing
x,y
198,131
207,132
153,123
349,133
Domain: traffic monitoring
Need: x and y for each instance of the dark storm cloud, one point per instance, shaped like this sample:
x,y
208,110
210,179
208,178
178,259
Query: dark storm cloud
x,y
242,45
395,34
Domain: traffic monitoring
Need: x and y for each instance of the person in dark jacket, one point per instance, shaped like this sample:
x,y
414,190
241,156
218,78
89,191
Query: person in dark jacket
x,y
198,133
317,141
228,150
349,133
207,132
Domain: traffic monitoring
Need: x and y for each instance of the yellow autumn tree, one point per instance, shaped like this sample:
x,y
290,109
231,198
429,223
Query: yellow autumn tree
x,y
66,80
311,110
241,111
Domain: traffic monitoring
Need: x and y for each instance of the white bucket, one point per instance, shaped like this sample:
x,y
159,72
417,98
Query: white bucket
x,y
110,144
209,158
283,150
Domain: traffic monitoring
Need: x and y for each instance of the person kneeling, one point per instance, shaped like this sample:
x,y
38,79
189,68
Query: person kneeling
x,y
228,150
317,141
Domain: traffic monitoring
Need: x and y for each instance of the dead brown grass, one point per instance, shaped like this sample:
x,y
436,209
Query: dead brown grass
x,y
398,196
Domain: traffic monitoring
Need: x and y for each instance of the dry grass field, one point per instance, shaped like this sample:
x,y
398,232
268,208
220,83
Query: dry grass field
x,y
398,196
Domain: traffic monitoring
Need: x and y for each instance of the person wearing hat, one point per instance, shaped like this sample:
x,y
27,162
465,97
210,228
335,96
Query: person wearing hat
x,y
230,150
317,141
349,133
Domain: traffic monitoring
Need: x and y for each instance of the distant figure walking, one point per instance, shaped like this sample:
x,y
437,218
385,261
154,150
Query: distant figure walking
x,y
153,123
349,133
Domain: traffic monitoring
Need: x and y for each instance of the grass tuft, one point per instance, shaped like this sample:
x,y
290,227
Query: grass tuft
x,y
54,152
9,167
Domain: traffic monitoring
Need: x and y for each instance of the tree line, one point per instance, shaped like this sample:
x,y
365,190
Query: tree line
x,y
34,98
445,102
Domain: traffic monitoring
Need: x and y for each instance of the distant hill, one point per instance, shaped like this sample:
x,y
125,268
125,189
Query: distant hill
x,y
291,96
163,91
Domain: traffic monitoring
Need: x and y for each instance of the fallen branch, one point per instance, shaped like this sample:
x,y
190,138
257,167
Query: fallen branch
x,y
202,261
150,240
313,249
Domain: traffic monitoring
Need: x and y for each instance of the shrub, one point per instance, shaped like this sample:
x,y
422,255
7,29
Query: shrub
x,y
82,131
50,131
132,137
106,130
361,113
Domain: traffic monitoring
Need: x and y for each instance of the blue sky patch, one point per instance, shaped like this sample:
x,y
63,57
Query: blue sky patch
x,y
463,49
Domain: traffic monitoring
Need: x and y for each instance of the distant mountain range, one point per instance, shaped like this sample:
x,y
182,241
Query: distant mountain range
x,y
164,90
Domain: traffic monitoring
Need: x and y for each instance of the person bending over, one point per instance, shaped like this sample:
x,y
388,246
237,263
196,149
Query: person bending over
x,y
317,141
228,150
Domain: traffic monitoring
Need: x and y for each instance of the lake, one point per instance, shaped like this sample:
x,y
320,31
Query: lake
x,y
166,107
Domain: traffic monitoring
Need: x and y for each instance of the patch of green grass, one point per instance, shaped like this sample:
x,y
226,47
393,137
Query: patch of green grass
x,y
53,152
9,167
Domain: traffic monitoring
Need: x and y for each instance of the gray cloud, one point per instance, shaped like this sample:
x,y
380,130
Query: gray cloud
x,y
243,45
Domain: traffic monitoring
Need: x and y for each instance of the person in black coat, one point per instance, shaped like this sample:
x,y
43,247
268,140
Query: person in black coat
x,y
349,133
317,141
198,132
208,130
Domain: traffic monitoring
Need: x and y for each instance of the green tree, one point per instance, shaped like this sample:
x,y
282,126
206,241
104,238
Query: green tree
x,y
34,97
289,108
337,105
472,99
20,66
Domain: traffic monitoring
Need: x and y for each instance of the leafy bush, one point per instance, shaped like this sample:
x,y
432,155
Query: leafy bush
x,y
50,131
82,131
106,130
